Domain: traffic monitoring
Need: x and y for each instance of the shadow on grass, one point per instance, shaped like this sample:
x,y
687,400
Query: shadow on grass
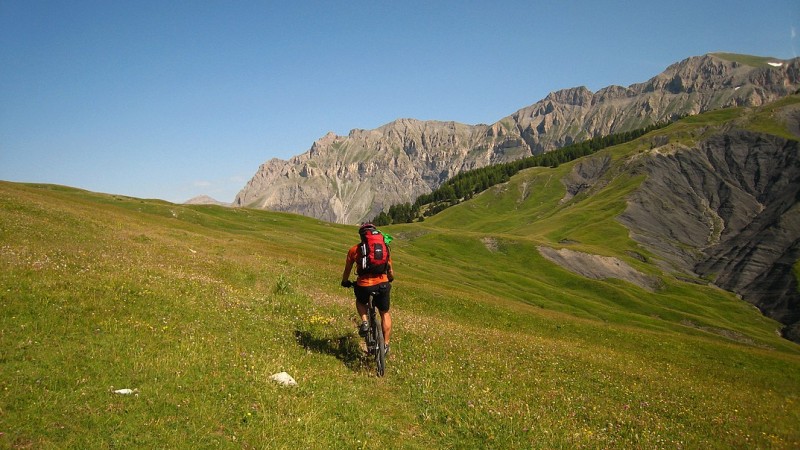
x,y
346,348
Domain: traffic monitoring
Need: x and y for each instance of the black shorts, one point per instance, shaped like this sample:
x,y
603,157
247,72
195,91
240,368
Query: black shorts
x,y
380,295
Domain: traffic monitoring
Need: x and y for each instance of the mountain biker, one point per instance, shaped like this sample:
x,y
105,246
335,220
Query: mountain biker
x,y
377,285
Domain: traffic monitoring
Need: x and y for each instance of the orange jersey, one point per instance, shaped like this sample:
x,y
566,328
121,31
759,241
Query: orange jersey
x,y
367,279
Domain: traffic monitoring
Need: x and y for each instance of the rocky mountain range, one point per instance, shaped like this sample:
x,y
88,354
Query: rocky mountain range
x,y
349,179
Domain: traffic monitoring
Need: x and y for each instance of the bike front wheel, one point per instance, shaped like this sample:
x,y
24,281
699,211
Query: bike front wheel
x,y
380,351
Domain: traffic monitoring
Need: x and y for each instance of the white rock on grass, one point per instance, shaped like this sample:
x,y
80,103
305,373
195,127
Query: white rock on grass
x,y
283,379
126,391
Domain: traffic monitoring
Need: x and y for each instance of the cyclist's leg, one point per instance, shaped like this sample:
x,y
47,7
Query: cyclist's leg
x,y
362,299
386,324
362,311
381,300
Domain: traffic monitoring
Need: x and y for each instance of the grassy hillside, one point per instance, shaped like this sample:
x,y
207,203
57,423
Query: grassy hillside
x,y
494,346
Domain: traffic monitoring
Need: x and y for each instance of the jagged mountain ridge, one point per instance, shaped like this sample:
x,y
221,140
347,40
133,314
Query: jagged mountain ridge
x,y
347,179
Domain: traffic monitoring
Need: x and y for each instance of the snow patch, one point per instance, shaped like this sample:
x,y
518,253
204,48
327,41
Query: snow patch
x,y
775,64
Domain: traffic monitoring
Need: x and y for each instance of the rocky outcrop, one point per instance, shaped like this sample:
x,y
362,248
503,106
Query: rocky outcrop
x,y
348,179
586,173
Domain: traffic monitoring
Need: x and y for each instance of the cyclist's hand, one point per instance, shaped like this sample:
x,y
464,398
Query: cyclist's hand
x,y
347,283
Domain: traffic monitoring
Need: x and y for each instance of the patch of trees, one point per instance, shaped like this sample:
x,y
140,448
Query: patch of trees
x,y
403,213
465,185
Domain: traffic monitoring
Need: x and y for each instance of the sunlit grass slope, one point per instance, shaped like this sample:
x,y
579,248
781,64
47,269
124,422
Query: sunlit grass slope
x,y
195,307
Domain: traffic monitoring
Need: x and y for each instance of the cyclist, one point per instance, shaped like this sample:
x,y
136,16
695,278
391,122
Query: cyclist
x,y
377,285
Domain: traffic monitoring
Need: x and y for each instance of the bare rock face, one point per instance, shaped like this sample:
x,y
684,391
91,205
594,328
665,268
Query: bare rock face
x,y
348,179
586,174
598,267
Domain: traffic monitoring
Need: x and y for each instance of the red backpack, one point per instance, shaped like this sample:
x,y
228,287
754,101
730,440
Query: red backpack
x,y
373,253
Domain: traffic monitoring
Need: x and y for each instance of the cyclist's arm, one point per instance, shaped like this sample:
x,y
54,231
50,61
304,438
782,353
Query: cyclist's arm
x,y
348,267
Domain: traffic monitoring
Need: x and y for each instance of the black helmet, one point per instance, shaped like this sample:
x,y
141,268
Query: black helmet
x,y
366,226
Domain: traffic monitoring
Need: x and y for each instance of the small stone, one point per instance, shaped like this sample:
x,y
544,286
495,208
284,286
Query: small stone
x,y
283,379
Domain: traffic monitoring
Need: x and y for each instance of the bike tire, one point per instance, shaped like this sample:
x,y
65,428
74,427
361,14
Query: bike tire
x,y
380,351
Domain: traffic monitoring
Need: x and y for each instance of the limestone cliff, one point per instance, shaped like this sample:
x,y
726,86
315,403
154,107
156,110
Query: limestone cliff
x,y
349,178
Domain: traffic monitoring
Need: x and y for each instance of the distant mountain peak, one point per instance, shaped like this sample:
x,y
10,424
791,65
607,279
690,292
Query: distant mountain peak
x,y
204,200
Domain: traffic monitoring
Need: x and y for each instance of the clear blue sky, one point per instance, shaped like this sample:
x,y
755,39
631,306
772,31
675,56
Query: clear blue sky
x,y
173,99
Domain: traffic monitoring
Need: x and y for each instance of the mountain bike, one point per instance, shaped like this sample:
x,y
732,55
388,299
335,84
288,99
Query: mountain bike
x,y
376,346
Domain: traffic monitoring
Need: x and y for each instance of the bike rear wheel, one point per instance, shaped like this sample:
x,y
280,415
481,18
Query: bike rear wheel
x,y
380,351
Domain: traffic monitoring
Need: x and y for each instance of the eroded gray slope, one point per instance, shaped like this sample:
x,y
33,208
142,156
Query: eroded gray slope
x,y
726,209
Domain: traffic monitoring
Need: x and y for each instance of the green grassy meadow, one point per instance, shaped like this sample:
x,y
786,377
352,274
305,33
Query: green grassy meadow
x,y
194,307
